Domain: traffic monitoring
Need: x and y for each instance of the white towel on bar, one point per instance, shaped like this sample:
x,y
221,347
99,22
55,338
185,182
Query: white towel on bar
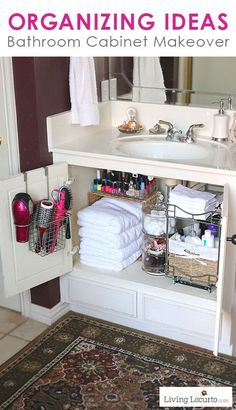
x,y
148,80
108,239
105,263
116,255
83,91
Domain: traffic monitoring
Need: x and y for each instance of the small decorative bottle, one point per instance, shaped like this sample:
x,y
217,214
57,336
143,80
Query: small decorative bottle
x,y
208,239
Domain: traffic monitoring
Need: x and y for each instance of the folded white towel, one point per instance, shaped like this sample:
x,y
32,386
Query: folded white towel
x,y
83,91
191,196
194,208
108,239
196,212
203,252
113,203
194,215
115,255
115,215
105,263
192,202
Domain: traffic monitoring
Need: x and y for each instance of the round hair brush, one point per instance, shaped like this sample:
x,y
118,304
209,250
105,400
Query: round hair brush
x,y
59,214
68,206
44,215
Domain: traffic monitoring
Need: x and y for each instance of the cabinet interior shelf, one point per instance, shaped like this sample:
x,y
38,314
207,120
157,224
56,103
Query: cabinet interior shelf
x,y
133,276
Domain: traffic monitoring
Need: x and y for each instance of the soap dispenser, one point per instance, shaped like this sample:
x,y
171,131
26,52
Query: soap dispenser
x,y
221,124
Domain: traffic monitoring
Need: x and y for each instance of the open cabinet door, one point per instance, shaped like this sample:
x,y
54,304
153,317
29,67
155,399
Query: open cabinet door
x,y
221,271
22,268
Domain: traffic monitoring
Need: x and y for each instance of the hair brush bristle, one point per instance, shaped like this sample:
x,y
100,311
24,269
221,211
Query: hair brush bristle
x,y
68,206
68,197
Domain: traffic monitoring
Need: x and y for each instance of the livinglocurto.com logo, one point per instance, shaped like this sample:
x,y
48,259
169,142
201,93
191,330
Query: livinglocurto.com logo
x,y
196,396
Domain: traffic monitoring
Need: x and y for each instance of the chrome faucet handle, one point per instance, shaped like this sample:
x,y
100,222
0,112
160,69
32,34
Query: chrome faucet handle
x,y
170,129
170,126
190,132
157,129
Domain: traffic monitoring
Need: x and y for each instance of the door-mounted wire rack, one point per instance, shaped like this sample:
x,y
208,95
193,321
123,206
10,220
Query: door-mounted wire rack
x,y
45,241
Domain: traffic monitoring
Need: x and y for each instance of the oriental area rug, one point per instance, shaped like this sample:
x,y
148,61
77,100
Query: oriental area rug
x,y
85,363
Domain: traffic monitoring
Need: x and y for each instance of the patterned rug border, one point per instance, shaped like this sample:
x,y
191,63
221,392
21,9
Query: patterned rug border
x,y
152,337
128,330
143,336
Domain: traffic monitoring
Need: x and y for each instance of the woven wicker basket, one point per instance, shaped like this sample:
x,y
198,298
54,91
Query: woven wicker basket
x,y
95,196
193,270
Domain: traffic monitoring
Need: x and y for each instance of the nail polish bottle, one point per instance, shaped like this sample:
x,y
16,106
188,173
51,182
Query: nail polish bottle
x,y
142,192
103,189
108,181
125,188
94,185
114,188
99,181
131,190
99,184
120,188
110,188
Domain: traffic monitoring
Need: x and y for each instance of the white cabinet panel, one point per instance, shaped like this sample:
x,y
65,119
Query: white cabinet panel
x,y
179,316
23,269
103,297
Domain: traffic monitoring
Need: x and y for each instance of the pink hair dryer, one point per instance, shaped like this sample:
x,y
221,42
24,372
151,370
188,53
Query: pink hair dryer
x,y
22,209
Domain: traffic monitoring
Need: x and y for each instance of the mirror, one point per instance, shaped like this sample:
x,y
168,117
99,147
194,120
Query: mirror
x,y
196,81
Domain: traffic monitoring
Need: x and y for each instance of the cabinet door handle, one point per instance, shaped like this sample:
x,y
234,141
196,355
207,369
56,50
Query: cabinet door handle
x,y
232,239
0,141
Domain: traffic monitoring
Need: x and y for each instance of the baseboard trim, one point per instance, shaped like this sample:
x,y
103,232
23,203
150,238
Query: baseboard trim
x,y
48,316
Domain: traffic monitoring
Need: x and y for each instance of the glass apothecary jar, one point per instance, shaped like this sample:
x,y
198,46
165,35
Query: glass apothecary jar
x,y
154,254
155,225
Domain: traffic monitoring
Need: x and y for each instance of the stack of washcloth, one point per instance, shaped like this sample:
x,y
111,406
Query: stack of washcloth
x,y
111,233
182,248
194,202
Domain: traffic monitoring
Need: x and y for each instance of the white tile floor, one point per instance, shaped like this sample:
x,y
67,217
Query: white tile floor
x,y
16,331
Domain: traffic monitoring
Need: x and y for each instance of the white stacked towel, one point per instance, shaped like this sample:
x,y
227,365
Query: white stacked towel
x,y
100,250
105,263
193,202
111,233
109,239
114,214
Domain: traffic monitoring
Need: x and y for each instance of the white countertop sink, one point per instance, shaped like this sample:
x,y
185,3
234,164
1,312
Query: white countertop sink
x,y
202,152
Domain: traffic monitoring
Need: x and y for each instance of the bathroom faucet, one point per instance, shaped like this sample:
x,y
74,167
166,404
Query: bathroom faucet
x,y
172,133
177,135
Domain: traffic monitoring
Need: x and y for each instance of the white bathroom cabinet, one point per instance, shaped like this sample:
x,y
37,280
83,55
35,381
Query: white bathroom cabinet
x,y
130,297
